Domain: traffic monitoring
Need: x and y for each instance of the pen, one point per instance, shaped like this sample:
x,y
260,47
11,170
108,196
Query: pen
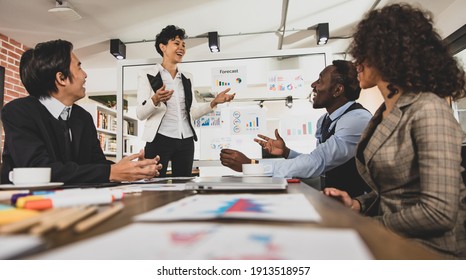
x,y
98,218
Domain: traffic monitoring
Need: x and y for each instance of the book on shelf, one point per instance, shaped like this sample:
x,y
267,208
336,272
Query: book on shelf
x,y
108,143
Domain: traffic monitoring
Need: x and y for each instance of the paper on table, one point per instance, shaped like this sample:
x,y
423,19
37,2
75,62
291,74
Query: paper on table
x,y
12,246
207,241
288,207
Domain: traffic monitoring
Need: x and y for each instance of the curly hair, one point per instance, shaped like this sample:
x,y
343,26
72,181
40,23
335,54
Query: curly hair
x,y
401,43
168,33
347,75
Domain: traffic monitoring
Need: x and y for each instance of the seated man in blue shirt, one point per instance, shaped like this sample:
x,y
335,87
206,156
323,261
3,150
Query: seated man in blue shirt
x,y
337,133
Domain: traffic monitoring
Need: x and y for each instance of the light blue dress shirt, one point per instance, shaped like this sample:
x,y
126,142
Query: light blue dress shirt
x,y
338,149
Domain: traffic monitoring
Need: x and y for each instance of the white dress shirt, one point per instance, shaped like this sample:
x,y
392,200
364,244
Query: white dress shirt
x,y
175,123
55,107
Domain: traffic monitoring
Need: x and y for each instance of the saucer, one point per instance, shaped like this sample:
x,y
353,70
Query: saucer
x,y
31,186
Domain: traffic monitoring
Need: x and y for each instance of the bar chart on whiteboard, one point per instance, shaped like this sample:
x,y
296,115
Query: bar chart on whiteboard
x,y
247,121
299,132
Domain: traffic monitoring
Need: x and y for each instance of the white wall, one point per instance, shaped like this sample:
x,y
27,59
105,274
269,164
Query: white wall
x,y
451,18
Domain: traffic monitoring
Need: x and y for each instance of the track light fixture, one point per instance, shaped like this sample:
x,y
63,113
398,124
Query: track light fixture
x,y
289,101
214,42
322,33
117,49
65,11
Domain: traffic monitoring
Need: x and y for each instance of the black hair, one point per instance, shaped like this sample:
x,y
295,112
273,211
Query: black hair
x,y
38,67
168,33
347,75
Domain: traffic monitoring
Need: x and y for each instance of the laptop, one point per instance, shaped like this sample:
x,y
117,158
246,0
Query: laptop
x,y
237,183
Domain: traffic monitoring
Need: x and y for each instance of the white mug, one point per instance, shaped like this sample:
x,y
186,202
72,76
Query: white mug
x,y
30,175
255,169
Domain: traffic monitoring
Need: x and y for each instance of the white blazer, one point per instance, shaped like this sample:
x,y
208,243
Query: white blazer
x,y
153,115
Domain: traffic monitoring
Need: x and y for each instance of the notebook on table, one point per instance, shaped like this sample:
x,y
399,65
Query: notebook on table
x,y
237,183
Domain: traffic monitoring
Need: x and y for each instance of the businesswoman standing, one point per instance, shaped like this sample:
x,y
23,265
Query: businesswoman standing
x,y
410,152
166,103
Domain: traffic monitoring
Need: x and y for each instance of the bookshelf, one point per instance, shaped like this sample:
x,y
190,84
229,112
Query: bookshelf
x,y
105,121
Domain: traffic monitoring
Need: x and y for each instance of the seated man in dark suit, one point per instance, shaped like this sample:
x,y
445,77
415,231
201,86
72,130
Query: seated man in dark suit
x,y
338,132
46,129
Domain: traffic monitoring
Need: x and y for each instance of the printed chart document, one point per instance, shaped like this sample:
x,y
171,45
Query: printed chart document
x,y
283,207
206,241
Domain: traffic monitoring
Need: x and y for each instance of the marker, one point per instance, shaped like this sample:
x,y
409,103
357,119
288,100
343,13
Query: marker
x,y
15,197
293,180
68,201
21,201
116,194
42,192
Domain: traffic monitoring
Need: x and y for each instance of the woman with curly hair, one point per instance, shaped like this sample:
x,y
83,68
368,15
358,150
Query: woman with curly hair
x,y
166,103
410,153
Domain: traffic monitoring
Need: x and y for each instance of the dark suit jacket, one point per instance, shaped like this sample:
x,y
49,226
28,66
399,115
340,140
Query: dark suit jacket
x,y
34,138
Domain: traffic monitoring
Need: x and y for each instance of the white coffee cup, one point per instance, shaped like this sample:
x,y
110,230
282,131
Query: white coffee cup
x,y
255,169
30,175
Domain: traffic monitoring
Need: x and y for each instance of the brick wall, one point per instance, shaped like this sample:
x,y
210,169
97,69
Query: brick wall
x,y
10,54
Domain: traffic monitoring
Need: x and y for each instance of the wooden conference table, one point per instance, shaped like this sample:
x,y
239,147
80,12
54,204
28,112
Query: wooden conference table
x,y
382,243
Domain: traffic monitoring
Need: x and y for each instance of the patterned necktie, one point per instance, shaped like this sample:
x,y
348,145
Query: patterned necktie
x,y
64,116
325,134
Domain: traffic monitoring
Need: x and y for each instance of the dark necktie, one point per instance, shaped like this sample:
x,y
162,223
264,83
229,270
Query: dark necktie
x,y
325,134
64,116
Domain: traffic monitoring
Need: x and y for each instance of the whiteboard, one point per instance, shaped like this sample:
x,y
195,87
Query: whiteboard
x,y
260,105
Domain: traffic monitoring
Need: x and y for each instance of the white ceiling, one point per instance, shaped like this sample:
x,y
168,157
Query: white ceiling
x,y
29,22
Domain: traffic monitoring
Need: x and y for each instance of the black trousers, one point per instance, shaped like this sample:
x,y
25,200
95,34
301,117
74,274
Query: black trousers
x,y
179,151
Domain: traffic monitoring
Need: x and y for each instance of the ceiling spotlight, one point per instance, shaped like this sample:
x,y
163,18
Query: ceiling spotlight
x,y
214,42
289,101
65,11
261,104
322,33
118,49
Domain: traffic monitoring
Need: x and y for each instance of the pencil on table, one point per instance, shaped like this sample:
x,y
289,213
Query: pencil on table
x,y
75,217
50,222
27,223
98,218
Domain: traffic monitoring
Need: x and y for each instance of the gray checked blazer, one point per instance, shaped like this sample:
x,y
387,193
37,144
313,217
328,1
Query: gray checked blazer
x,y
411,160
